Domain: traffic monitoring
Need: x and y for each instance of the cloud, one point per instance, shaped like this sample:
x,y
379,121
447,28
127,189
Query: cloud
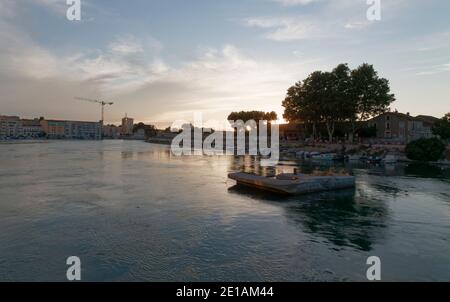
x,y
287,28
358,24
58,6
328,19
132,72
217,82
295,2
434,70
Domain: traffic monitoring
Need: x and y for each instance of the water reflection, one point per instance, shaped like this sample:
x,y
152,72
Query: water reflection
x,y
427,171
346,218
341,217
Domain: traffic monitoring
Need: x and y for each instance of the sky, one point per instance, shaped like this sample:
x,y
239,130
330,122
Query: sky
x,y
163,60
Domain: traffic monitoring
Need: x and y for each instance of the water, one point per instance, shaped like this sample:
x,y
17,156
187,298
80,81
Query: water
x,y
133,212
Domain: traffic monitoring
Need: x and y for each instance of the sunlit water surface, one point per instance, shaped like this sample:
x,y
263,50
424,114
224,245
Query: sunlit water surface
x,y
131,211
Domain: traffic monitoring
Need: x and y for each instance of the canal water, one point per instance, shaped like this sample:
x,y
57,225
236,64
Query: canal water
x,y
133,212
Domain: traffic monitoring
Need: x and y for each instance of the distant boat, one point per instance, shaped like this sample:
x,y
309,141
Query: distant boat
x,y
294,184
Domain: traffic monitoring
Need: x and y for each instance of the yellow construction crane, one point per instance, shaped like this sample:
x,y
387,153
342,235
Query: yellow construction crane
x,y
102,103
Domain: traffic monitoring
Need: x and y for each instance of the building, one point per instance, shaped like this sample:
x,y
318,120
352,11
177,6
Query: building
x,y
32,128
112,131
140,134
59,129
402,128
10,126
127,126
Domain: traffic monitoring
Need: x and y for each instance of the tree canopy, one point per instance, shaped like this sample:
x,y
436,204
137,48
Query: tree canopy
x,y
253,115
425,149
340,95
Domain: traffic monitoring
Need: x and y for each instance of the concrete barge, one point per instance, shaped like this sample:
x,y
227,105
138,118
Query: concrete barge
x,y
294,184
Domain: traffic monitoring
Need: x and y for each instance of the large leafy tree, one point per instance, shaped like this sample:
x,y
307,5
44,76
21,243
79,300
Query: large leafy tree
x,y
370,94
298,106
337,96
321,98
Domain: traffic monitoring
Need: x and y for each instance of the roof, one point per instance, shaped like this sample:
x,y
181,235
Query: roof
x,y
428,118
67,121
424,118
27,122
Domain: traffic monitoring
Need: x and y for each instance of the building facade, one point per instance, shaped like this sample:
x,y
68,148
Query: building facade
x,y
11,127
112,131
402,128
127,126
32,128
58,129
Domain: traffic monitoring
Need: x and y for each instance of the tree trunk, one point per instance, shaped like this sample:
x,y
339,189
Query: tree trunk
x,y
352,134
314,131
330,129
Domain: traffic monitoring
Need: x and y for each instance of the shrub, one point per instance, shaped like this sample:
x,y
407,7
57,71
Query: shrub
x,y
431,149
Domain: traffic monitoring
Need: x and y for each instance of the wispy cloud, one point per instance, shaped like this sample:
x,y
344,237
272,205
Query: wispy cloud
x,y
295,2
287,28
434,70
131,69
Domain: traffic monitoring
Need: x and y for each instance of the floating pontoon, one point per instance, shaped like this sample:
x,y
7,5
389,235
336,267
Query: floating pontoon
x,y
294,184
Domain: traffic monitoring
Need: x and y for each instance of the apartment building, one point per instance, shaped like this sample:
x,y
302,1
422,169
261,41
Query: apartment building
x,y
32,128
402,127
10,126
60,129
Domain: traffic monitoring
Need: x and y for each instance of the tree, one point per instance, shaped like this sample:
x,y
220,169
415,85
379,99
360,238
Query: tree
x,y
425,149
342,95
321,98
442,127
369,94
257,116
298,106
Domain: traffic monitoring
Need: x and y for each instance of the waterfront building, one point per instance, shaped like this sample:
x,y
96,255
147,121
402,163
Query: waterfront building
x,y
403,128
10,126
112,131
127,126
32,128
140,134
60,129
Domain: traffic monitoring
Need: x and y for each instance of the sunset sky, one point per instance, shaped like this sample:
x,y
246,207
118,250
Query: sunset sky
x,y
161,60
